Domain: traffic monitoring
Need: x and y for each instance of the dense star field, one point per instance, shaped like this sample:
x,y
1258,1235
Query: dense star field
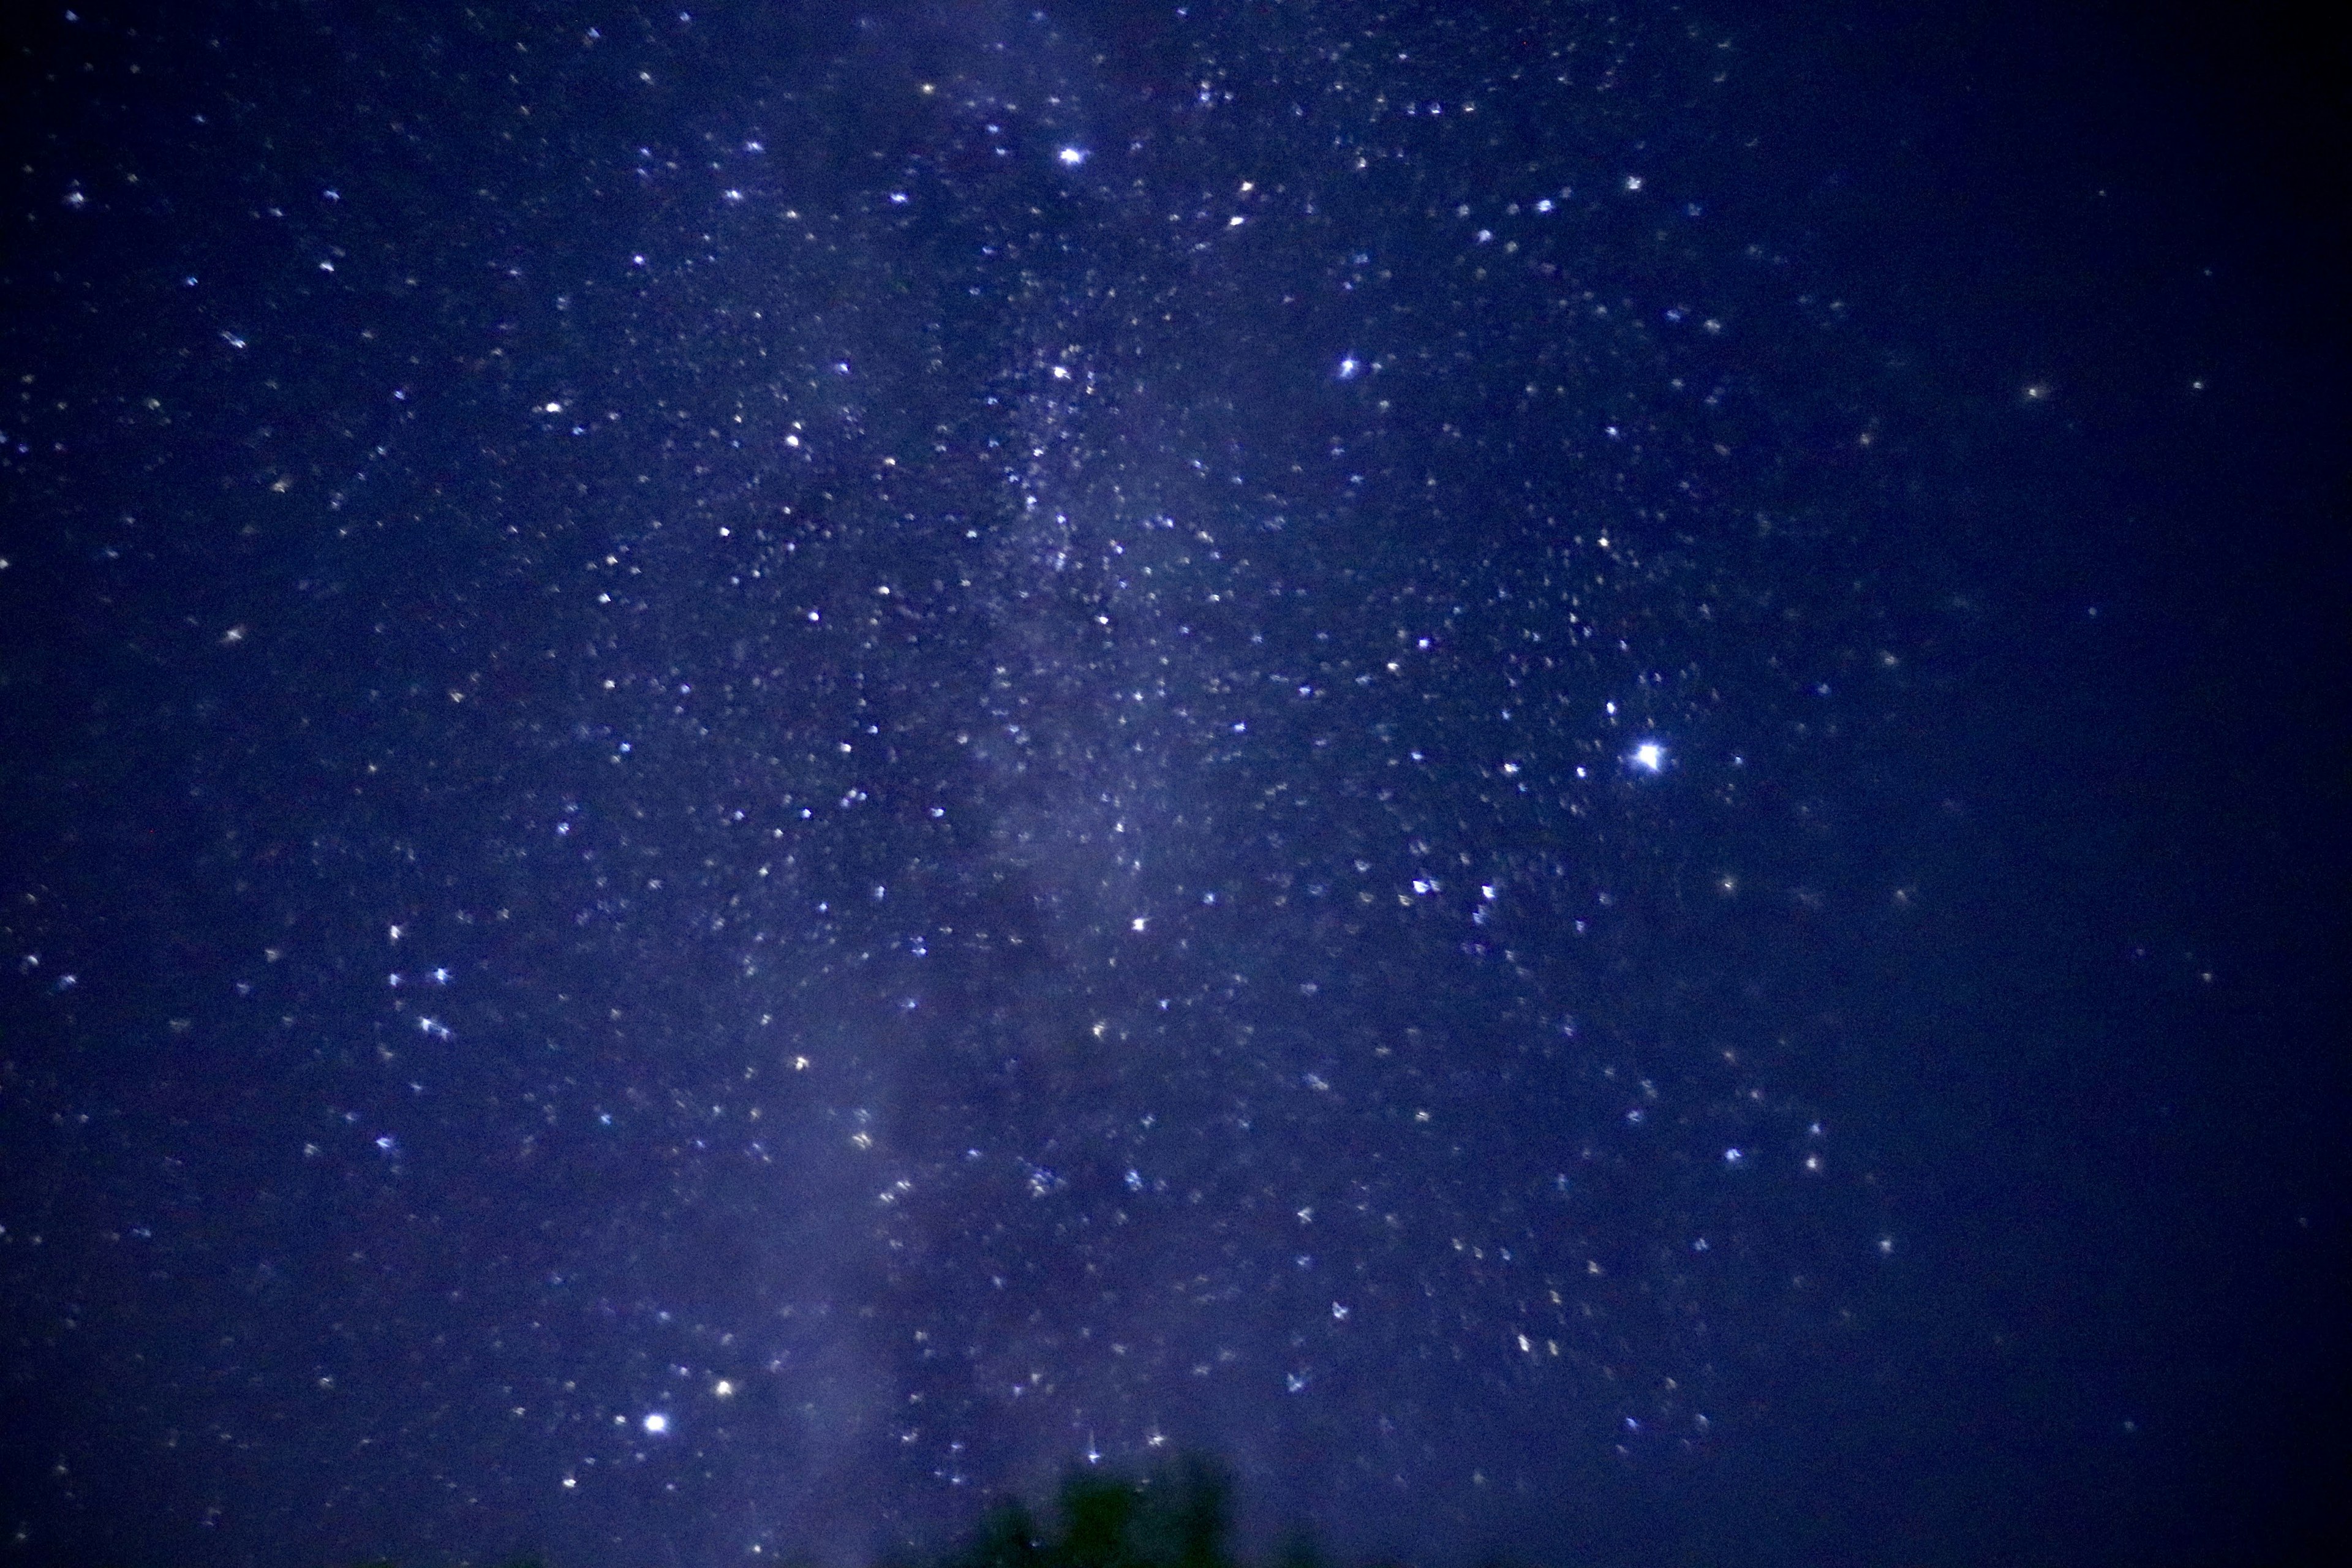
x,y
770,769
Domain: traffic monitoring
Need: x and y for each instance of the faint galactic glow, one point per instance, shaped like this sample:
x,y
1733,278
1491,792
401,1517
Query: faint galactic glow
x,y
1649,756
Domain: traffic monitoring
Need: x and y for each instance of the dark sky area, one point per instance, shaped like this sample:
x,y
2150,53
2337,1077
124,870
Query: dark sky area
x,y
1574,773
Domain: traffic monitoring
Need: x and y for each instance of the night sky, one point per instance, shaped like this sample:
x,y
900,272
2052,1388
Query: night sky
x,y
1574,774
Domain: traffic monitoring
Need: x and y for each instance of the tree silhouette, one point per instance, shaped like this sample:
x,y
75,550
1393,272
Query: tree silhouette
x,y
1176,1516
